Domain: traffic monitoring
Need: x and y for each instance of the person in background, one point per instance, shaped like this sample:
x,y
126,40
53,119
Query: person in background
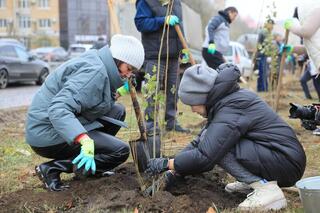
x,y
244,136
150,19
66,120
217,38
310,73
99,44
306,24
261,57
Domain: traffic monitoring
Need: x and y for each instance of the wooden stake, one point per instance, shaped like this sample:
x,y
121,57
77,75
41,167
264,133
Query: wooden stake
x,y
113,18
282,63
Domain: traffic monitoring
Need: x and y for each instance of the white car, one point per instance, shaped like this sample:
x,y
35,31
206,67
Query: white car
x,y
237,54
76,50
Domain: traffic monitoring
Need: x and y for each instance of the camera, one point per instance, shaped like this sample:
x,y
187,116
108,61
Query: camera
x,y
309,115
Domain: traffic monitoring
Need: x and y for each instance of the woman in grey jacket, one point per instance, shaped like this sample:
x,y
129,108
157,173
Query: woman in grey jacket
x,y
217,37
66,119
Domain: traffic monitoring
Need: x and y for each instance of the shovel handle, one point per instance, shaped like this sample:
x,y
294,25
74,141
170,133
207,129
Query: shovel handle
x,y
184,43
137,110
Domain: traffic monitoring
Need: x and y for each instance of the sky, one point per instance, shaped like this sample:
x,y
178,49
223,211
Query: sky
x,y
258,10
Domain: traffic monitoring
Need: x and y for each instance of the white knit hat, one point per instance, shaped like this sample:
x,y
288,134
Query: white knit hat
x,y
127,49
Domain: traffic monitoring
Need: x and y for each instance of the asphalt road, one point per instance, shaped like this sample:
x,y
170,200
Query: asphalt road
x,y
16,95
20,94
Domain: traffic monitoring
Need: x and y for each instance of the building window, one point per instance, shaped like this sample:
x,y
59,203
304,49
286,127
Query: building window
x,y
23,4
24,22
43,3
2,3
3,23
45,23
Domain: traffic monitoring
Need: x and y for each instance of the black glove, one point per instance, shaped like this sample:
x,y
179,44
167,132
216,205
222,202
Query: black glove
x,y
156,166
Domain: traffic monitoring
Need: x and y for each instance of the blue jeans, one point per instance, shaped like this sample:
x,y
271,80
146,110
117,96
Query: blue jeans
x,y
262,84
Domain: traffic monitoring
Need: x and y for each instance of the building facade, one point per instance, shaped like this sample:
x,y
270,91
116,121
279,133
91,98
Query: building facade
x,y
34,22
83,21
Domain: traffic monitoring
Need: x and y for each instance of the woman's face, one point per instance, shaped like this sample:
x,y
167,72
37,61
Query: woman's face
x,y
200,109
125,70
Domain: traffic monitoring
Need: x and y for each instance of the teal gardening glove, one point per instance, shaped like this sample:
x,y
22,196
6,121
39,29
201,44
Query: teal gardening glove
x,y
124,89
86,156
288,49
172,20
211,48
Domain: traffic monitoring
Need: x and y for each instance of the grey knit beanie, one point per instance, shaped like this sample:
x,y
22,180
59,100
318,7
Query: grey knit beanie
x,y
196,83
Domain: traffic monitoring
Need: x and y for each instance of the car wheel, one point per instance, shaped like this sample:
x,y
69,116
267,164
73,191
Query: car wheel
x,y
4,78
42,77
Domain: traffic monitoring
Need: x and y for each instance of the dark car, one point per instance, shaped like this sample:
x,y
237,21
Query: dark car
x,y
51,53
17,65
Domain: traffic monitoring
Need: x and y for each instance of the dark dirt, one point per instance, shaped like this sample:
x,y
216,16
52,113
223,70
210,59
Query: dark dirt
x,y
121,192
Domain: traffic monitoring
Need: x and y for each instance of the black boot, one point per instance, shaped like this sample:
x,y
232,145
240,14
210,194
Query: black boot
x,y
49,173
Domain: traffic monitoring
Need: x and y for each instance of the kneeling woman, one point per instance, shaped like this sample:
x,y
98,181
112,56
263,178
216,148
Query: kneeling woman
x,y
65,120
243,136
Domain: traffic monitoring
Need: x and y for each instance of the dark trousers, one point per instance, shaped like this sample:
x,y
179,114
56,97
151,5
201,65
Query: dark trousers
x,y
109,150
212,60
262,84
304,80
172,82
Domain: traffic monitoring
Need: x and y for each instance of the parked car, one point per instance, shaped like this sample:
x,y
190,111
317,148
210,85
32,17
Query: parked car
x,y
77,49
12,41
238,55
51,53
17,65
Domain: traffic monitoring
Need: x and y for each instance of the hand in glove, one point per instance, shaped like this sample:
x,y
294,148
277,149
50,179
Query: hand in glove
x,y
172,20
125,89
286,48
86,156
185,56
157,165
211,48
288,24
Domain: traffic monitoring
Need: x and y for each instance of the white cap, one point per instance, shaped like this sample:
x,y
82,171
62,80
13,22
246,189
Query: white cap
x,y
127,49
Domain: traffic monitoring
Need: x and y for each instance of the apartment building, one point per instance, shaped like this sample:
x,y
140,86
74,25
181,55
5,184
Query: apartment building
x,y
34,22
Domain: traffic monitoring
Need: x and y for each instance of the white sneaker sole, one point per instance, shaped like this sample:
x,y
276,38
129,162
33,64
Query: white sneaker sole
x,y
244,191
276,205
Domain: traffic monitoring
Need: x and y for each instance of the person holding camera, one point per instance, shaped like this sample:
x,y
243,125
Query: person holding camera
x,y
243,135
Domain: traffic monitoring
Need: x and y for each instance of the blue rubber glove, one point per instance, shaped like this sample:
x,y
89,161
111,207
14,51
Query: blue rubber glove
x,y
286,48
86,156
172,20
211,48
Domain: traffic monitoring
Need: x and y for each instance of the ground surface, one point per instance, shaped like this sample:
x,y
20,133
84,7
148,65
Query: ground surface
x,y
21,191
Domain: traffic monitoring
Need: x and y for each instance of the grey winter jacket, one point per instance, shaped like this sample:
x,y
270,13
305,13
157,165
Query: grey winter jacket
x,y
240,122
217,31
72,98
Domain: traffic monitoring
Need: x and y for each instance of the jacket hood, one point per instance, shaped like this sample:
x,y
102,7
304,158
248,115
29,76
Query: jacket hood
x,y
225,15
114,77
225,84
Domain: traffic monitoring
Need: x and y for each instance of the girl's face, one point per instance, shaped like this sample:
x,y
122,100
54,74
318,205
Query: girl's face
x,y
125,70
200,109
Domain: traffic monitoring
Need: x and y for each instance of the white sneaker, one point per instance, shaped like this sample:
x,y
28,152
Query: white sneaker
x,y
265,197
317,132
238,187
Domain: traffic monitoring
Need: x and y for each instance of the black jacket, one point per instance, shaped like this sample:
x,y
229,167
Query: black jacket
x,y
239,121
